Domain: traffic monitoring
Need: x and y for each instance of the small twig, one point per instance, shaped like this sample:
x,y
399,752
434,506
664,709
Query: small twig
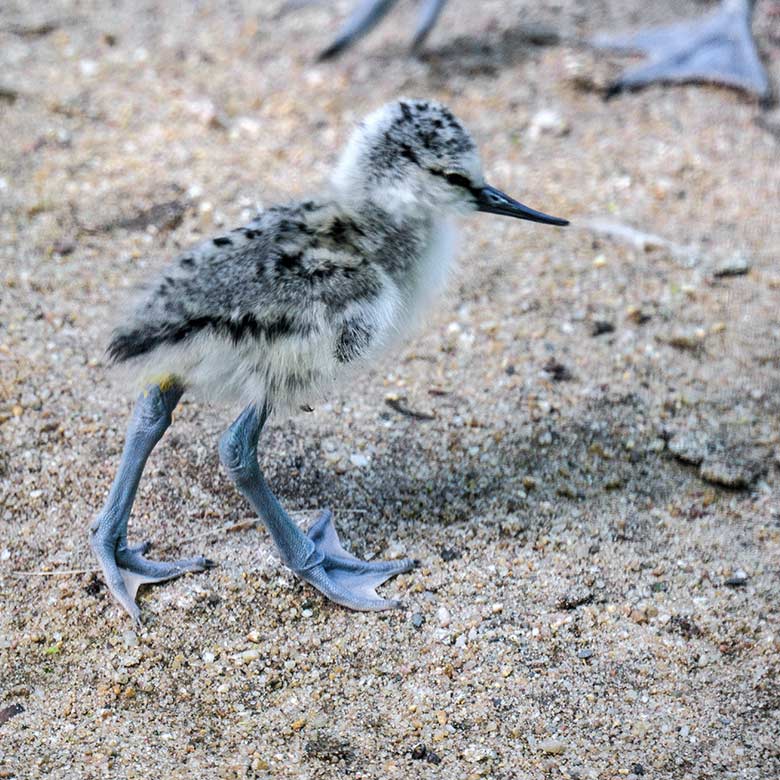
x,y
638,239
34,30
338,511
55,573
241,525
398,405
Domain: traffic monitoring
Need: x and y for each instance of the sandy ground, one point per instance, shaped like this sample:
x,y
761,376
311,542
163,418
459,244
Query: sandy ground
x,y
593,492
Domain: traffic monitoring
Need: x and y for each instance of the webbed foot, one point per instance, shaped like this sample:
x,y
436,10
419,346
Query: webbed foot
x,y
342,577
717,48
125,569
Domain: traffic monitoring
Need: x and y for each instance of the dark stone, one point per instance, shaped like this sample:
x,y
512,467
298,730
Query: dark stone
x,y
684,625
557,371
10,712
600,327
94,586
575,599
64,247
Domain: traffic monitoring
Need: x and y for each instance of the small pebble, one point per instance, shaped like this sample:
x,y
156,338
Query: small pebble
x,y
736,265
585,653
691,339
443,616
547,122
358,459
558,371
417,620
64,247
553,746
576,597
738,579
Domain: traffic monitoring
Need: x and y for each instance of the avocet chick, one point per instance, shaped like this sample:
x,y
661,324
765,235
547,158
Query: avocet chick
x,y
270,314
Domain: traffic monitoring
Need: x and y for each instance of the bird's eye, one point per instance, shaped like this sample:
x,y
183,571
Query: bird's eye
x,y
458,180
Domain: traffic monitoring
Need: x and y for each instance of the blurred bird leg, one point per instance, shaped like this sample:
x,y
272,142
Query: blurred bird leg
x,y
429,15
365,17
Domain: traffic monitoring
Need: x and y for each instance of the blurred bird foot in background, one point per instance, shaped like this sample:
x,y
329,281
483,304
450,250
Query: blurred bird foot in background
x,y
717,48
369,13
341,576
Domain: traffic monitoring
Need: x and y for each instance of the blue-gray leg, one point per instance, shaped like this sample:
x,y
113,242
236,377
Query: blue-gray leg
x,y
429,15
316,556
125,567
369,13
717,48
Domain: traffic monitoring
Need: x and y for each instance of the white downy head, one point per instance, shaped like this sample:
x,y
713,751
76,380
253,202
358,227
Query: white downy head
x,y
408,155
414,155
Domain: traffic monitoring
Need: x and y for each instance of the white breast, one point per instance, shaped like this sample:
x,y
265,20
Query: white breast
x,y
432,275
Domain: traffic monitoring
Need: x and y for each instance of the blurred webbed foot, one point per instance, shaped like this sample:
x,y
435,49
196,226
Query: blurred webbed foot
x,y
717,48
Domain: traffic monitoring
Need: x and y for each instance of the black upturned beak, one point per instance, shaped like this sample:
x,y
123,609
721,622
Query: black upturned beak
x,y
493,201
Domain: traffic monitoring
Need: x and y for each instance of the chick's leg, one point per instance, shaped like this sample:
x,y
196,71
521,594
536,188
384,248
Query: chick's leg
x,y
124,567
364,18
316,556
